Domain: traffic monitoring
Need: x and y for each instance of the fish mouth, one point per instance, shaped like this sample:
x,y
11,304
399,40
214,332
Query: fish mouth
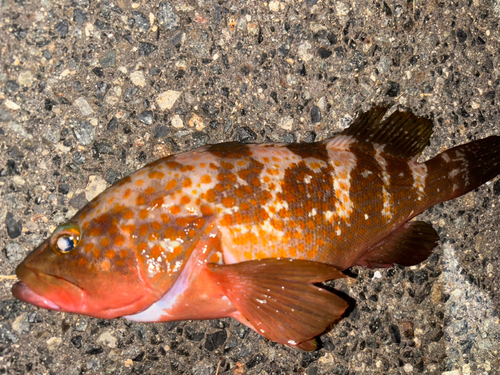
x,y
47,291
21,291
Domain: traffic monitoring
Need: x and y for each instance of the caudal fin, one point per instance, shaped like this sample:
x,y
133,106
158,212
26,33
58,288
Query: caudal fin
x,y
462,169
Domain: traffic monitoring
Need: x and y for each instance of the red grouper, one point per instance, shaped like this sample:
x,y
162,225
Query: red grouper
x,y
247,230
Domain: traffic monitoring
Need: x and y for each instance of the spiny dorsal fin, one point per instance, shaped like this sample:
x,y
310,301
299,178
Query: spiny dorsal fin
x,y
403,134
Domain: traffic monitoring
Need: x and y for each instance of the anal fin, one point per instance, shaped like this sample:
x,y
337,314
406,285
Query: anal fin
x,y
279,300
408,245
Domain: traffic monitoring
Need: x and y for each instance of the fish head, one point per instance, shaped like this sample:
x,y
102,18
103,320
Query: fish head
x,y
100,265
68,272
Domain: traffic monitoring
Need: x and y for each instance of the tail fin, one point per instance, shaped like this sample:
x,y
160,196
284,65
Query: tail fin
x,y
462,169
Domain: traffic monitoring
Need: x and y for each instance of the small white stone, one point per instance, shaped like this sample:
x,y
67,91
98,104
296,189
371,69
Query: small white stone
x,y
53,343
177,122
303,51
274,6
11,105
106,338
408,368
286,123
84,106
377,275
95,187
137,78
167,99
342,9
25,78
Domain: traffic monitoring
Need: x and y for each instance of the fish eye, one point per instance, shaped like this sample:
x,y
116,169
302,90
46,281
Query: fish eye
x,y
65,238
66,243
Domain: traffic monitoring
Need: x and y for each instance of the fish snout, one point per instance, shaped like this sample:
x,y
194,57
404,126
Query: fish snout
x,y
47,291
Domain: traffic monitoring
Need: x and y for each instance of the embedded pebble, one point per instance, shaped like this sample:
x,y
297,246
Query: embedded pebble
x,y
84,132
95,186
166,15
137,78
84,106
177,122
14,252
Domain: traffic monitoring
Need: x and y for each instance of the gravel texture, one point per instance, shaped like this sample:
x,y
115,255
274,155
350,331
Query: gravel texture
x,y
92,90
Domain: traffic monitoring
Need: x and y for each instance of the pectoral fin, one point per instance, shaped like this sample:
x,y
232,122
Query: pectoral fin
x,y
410,244
278,299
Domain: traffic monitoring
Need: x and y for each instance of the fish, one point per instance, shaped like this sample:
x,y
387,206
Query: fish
x,y
250,231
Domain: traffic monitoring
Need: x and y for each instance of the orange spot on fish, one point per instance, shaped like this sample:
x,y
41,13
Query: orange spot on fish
x,y
84,215
244,206
185,200
170,234
228,201
165,218
206,179
128,215
206,210
105,242
226,165
110,254
113,229
127,194
156,251
277,224
210,196
143,214
199,222
96,252
85,225
119,240
143,230
227,220
95,232
153,236
171,185
186,183
174,210
118,208
82,262
184,221
256,181
150,190
187,168
140,200
172,164
156,174
213,166
105,265
111,200
156,225
139,182
88,247
141,173
128,228
192,233
123,253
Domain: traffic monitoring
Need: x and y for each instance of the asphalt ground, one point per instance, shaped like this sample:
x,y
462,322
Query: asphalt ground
x,y
92,90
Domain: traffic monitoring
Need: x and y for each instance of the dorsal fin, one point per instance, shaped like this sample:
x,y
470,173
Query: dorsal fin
x,y
403,134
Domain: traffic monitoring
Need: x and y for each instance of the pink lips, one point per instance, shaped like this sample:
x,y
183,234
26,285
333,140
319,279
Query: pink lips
x,y
20,290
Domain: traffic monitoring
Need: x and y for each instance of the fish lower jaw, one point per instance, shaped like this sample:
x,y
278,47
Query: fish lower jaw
x,y
21,291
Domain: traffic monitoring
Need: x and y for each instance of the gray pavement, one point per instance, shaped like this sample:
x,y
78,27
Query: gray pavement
x,y
92,90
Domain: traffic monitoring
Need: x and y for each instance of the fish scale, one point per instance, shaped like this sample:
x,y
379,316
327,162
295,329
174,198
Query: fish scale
x,y
245,231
